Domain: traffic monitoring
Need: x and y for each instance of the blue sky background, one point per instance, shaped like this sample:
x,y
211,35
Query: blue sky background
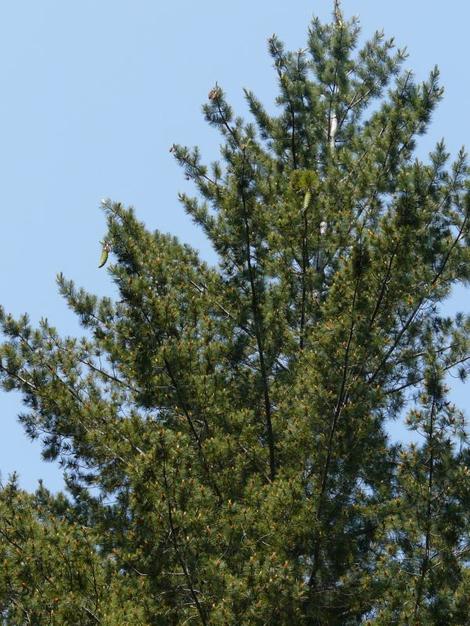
x,y
93,93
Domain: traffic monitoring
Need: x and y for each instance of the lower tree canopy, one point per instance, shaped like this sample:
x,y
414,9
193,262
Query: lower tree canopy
x,y
223,429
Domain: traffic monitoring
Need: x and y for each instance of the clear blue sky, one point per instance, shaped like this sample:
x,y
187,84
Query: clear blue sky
x,y
95,92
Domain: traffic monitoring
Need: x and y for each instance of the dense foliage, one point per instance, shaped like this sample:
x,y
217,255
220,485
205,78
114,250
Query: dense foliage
x,y
223,430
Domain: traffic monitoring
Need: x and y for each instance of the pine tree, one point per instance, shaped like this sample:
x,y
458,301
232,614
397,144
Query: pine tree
x,y
223,429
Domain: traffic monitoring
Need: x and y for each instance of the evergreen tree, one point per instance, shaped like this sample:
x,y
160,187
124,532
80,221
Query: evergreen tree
x,y
222,429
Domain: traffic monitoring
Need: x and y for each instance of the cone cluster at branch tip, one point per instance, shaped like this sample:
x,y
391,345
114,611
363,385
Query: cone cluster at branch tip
x,y
215,93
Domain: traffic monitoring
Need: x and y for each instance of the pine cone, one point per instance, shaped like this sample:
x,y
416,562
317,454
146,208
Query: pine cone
x,y
215,93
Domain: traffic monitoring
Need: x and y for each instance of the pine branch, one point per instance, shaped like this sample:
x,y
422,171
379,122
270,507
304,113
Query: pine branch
x,y
425,563
418,306
258,331
336,415
174,538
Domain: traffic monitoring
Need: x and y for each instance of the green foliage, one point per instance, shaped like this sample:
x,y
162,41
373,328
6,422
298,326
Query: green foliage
x,y
222,430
